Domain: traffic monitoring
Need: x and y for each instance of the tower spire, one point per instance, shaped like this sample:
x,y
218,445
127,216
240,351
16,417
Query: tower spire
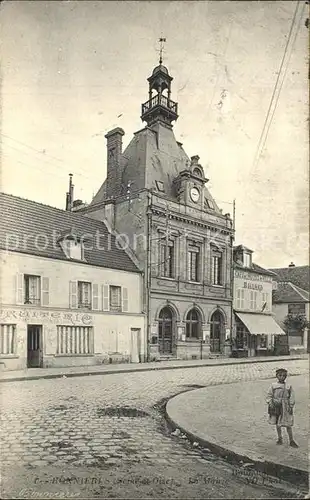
x,y
161,41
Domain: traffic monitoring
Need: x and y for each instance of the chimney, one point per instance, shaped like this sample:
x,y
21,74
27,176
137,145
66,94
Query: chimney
x,y
69,195
114,152
292,264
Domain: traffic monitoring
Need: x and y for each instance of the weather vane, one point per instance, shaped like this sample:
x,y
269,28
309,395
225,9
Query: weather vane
x,y
161,41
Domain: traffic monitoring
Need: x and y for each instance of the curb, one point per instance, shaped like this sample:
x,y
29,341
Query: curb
x,y
298,477
134,370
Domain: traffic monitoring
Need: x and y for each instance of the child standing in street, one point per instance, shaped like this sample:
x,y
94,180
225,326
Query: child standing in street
x,y
281,401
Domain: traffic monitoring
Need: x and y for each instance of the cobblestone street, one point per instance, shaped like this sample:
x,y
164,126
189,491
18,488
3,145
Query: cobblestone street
x,y
109,436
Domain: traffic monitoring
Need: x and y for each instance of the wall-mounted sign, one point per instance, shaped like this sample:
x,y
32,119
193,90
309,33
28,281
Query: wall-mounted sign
x,y
60,318
252,286
252,276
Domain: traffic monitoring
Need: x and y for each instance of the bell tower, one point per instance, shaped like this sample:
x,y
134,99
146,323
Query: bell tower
x,y
159,106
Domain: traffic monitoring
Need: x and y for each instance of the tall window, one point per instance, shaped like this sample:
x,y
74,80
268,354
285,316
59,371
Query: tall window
x,y
253,300
32,289
193,324
167,258
193,263
240,298
115,298
84,295
265,305
217,268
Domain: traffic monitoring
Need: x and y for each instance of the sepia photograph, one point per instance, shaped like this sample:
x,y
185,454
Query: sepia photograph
x,y
154,249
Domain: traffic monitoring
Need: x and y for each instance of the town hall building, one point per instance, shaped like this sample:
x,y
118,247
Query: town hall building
x,y
157,199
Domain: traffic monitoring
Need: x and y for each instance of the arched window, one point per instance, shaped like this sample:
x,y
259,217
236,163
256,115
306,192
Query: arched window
x,y
193,324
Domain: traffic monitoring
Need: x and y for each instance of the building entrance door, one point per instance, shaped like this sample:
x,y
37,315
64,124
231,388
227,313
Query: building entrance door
x,y
165,331
135,345
34,346
216,332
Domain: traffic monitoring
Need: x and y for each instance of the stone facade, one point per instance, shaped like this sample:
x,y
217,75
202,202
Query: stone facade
x,y
180,237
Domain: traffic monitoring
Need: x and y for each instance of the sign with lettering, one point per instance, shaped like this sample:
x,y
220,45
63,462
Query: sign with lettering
x,y
252,286
60,318
252,276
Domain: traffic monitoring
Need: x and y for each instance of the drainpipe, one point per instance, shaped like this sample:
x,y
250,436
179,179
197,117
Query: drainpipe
x,y
232,274
148,273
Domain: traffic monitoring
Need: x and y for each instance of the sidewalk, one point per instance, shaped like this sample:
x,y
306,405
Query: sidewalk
x,y
231,420
80,371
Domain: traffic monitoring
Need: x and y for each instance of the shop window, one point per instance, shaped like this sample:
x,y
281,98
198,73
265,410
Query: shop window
x,y
263,342
73,340
7,339
241,337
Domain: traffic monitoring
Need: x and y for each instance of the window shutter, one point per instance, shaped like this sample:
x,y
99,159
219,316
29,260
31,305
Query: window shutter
x,y
73,294
105,297
125,299
95,297
45,291
19,288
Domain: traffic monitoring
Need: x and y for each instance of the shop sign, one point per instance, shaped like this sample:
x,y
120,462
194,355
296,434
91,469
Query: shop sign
x,y
60,318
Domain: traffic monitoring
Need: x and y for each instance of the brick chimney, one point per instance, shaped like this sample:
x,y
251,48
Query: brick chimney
x,y
291,264
114,152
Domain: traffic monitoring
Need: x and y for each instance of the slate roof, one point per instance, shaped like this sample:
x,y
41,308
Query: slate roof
x,y
289,293
28,227
298,275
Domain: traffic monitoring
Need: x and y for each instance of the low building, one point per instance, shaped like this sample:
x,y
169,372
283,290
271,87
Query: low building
x,y
70,295
255,330
291,305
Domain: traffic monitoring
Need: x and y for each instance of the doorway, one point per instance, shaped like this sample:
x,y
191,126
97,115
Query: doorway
x,y
165,331
34,346
216,332
135,345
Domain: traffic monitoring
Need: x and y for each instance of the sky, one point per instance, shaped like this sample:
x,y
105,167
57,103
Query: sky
x,y
73,70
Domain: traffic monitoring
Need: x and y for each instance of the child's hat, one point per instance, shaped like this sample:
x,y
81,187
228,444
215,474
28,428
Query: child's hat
x,y
281,370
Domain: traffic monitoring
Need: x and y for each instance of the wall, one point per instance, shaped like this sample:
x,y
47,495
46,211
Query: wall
x,y
253,282
111,330
295,341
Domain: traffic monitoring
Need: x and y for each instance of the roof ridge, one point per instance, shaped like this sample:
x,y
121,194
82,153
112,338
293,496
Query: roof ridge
x,y
299,290
33,201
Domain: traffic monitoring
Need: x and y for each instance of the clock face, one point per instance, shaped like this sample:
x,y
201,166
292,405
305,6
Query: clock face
x,y
195,194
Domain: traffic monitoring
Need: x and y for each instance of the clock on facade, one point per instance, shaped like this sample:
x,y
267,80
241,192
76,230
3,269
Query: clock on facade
x,y
195,194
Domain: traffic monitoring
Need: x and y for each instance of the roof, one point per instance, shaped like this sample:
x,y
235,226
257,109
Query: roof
x,y
160,68
33,228
298,275
289,293
254,268
152,156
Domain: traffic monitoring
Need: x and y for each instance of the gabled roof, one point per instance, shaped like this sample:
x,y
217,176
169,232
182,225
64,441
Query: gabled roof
x,y
298,275
33,228
289,293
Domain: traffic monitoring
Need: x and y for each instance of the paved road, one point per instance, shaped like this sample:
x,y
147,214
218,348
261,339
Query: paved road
x,y
74,437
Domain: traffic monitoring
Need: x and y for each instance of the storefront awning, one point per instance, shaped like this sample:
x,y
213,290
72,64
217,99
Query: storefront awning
x,y
260,324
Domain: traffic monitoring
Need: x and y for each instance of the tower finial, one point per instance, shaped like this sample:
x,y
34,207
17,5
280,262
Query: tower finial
x,y
161,41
